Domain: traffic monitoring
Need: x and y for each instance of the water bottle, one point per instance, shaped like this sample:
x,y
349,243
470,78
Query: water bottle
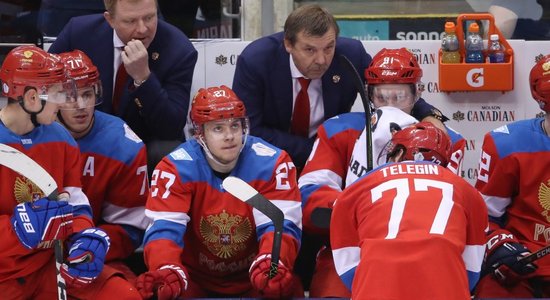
x,y
449,45
496,50
474,45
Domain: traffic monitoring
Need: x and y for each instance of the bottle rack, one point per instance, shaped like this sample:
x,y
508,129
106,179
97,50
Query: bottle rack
x,y
455,77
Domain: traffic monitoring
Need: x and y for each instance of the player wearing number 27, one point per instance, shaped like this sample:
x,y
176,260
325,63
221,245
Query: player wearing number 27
x,y
203,241
414,230
514,180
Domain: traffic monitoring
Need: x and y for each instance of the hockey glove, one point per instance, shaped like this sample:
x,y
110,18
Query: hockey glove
x,y
168,282
87,250
281,285
40,222
503,254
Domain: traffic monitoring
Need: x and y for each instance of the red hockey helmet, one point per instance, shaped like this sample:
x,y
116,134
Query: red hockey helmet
x,y
539,80
393,66
30,66
422,142
82,70
216,103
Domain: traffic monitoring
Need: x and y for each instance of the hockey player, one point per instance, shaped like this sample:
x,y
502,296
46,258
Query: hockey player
x,y
414,229
36,87
394,79
114,163
339,155
514,180
203,241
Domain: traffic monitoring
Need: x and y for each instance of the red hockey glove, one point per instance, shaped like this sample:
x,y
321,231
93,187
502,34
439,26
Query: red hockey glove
x,y
503,254
281,285
168,282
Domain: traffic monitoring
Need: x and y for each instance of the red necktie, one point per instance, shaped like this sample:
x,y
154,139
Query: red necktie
x,y
300,116
120,81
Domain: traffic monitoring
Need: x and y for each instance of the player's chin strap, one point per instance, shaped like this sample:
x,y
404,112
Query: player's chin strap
x,y
224,168
34,119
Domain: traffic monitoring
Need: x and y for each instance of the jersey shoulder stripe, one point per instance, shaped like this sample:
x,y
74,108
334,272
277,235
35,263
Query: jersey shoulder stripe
x,y
354,121
528,131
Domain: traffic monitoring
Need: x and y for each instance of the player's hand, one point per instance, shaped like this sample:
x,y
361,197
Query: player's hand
x,y
136,60
40,222
87,250
281,285
168,282
503,258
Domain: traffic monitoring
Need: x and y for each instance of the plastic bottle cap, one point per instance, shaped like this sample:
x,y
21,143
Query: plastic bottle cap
x,y
473,27
494,37
449,27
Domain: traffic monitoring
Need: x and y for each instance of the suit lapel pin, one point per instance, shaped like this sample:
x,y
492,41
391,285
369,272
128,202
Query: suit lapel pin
x,y
336,78
155,55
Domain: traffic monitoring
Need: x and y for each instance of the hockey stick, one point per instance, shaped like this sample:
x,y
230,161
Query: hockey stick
x,y
542,252
360,87
320,216
244,192
24,165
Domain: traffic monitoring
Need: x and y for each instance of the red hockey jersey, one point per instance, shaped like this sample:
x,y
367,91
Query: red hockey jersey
x,y
55,150
216,236
114,178
409,230
514,179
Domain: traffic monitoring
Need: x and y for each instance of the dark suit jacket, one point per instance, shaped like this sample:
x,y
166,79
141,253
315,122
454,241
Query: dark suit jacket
x,y
157,109
264,83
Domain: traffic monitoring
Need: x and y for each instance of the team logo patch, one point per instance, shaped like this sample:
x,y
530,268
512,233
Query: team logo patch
x,y
26,191
130,134
180,154
263,150
502,129
544,198
224,234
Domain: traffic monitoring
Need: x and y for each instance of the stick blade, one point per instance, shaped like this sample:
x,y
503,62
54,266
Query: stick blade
x,y
239,188
24,165
246,193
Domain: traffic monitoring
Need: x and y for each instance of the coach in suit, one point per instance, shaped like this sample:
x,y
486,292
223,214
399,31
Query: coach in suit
x,y
158,60
267,72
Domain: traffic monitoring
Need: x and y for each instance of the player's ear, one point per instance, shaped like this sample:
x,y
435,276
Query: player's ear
x,y
31,96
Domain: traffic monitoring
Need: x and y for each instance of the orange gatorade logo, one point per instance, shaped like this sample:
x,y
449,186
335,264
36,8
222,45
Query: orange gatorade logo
x,y
474,77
